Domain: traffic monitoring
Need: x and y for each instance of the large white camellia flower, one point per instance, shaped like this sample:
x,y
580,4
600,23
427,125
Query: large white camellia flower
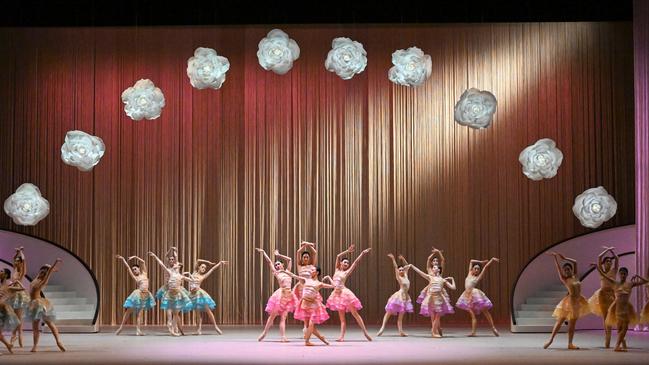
x,y
346,58
475,108
27,206
277,52
411,67
143,100
541,160
594,207
82,150
207,69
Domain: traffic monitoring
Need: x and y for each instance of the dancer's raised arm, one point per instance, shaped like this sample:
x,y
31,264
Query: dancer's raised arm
x,y
142,263
50,270
289,261
211,270
298,278
421,273
603,274
572,261
339,257
484,268
358,259
558,266
128,267
267,259
638,280
21,269
162,264
473,262
310,248
403,259
440,256
450,283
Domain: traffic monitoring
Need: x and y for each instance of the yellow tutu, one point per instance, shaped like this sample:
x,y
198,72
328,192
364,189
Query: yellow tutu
x,y
615,314
601,300
645,314
565,310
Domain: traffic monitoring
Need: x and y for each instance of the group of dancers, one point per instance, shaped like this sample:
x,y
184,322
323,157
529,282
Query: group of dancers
x,y
307,305
610,301
18,304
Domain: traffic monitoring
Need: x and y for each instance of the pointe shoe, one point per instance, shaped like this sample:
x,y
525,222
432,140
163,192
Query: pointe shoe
x,y
261,337
573,347
119,330
403,334
10,348
284,340
367,335
380,333
218,330
60,345
547,344
495,331
472,334
33,349
20,340
340,339
308,343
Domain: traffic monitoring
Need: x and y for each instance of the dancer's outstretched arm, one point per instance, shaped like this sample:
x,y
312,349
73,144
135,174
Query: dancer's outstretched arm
x,y
421,273
16,286
310,247
349,250
450,283
638,280
50,271
472,263
173,251
142,263
298,278
267,259
21,269
608,278
128,267
211,270
440,256
486,266
572,261
289,261
358,259
162,264
403,259
556,264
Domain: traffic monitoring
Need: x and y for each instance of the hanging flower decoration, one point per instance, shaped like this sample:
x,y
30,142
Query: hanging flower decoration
x,y
207,69
346,58
143,100
411,67
475,108
27,206
594,207
541,160
277,52
82,150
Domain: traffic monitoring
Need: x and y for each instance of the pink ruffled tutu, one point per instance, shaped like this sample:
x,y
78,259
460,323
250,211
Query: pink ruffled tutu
x,y
297,291
422,295
436,303
343,300
314,311
475,301
399,303
282,301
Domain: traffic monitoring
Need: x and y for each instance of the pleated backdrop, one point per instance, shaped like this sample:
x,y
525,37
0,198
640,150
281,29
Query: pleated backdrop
x,y
268,160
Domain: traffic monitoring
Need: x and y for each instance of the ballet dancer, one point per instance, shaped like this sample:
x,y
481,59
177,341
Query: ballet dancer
x,y
201,301
436,305
40,309
573,306
283,301
175,299
474,300
644,315
306,259
310,309
19,299
602,299
172,259
435,258
621,313
342,299
8,318
399,303
140,299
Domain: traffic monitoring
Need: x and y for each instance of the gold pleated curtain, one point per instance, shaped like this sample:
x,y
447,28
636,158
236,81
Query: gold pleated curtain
x,y
269,160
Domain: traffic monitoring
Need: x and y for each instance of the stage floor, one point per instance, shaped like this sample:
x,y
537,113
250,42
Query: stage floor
x,y
239,345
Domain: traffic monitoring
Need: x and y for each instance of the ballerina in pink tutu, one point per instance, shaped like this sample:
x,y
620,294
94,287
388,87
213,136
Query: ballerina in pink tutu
x,y
435,258
343,300
283,301
436,304
310,309
399,303
474,300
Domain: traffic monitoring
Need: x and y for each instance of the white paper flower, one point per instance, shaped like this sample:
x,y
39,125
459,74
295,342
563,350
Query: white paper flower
x,y
82,150
277,52
541,160
594,207
143,100
346,58
475,108
27,206
207,69
411,67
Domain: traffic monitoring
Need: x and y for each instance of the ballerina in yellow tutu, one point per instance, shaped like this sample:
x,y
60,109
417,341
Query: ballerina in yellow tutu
x,y
573,306
602,299
621,313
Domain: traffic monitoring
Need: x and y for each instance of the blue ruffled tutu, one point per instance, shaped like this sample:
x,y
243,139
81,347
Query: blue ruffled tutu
x,y
161,292
19,300
200,299
139,300
176,300
8,318
40,310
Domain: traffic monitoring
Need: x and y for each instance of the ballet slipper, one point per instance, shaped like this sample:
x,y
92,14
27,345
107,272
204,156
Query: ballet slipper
x,y
572,347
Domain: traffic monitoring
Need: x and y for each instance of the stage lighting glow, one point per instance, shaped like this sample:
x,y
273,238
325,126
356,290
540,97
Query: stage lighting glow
x,y
143,100
277,52
594,207
206,69
346,58
82,150
475,108
411,67
541,160
26,206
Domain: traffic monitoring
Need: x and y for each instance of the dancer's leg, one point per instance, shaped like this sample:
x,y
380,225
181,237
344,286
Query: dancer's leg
x,y
320,336
571,334
400,325
7,344
36,332
18,331
474,323
621,333
211,316
282,327
556,328
386,317
269,323
55,332
138,322
491,322
360,322
125,316
343,326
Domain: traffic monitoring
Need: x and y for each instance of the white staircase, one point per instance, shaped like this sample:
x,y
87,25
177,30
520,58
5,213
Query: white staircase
x,y
73,312
535,315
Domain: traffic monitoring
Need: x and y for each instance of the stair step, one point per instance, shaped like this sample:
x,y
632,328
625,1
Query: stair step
x,y
74,315
53,287
61,324
541,300
533,314
537,307
74,308
535,321
67,301
60,294
552,293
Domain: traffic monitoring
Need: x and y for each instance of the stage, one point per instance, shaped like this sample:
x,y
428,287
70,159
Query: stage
x,y
239,345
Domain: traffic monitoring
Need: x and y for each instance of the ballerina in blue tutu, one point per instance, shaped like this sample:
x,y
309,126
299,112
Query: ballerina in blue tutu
x,y
201,301
175,299
19,299
140,299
